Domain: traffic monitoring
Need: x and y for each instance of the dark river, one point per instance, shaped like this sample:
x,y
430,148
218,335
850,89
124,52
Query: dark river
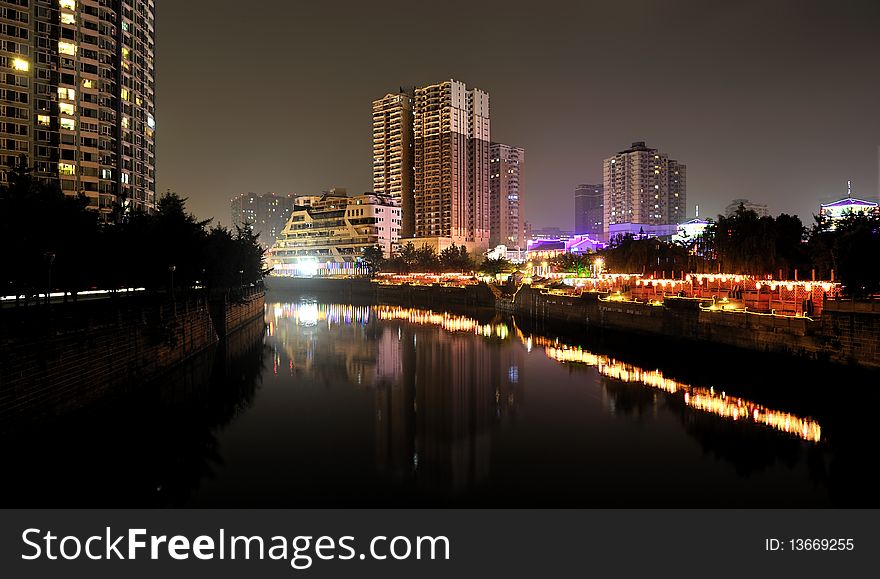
x,y
353,406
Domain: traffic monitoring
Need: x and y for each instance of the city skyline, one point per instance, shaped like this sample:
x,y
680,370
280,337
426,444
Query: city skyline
x,y
801,134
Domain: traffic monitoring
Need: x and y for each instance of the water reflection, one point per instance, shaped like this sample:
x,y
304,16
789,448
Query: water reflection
x,y
150,447
699,398
703,399
352,406
444,384
435,403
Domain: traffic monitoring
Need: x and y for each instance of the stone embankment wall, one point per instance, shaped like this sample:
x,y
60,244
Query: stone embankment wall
x,y
847,332
59,358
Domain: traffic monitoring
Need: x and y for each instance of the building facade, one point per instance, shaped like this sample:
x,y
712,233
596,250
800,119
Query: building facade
x,y
451,138
643,186
589,203
758,208
328,236
507,223
77,97
266,215
393,153
837,210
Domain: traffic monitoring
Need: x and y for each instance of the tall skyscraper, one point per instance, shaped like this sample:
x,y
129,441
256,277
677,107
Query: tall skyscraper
x,y
589,203
77,96
507,223
266,214
393,153
451,164
643,186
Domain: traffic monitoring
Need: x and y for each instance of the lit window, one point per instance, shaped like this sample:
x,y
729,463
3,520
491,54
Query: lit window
x,y
66,169
67,108
67,48
44,120
68,18
124,94
88,83
69,4
68,124
124,122
126,178
126,53
21,64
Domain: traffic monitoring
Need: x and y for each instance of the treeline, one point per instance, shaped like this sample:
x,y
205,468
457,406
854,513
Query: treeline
x,y
424,259
748,244
53,240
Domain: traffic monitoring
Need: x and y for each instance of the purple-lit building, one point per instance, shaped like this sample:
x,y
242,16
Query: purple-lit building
x,y
541,249
836,210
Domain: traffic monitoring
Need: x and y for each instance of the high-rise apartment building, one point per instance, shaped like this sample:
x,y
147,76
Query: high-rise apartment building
x,y
589,203
393,153
507,223
451,139
643,186
265,214
77,96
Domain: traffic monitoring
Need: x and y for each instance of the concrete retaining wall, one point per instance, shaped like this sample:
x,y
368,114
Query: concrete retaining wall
x,y
846,333
73,354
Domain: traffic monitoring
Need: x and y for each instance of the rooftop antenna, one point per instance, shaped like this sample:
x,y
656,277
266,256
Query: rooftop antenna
x,y
698,212
849,189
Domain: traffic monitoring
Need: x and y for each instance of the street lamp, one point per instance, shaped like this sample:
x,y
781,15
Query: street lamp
x,y
598,265
171,269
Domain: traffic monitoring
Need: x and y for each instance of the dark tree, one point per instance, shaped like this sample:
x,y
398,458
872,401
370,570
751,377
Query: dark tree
x,y
848,247
374,258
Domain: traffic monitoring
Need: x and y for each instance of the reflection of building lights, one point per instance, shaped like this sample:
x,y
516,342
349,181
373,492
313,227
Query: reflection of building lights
x,y
698,398
308,315
704,399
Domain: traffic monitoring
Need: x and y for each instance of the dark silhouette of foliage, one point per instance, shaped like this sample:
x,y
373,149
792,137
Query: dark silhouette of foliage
x,y
626,254
749,244
492,266
374,258
573,263
50,238
456,258
849,248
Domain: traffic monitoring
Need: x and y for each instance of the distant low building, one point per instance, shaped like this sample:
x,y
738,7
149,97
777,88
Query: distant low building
x,y
690,231
641,230
550,233
837,210
758,208
327,235
548,248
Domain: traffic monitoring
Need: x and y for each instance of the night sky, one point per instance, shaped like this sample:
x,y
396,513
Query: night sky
x,y
776,101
